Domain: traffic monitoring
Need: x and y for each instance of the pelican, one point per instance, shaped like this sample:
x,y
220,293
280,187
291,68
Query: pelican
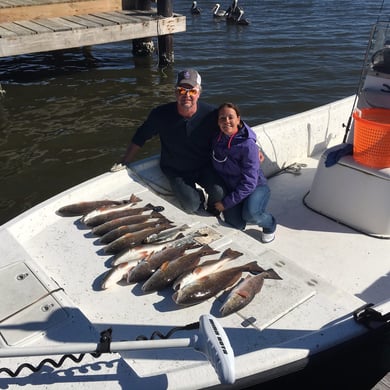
x,y
217,13
194,9
234,14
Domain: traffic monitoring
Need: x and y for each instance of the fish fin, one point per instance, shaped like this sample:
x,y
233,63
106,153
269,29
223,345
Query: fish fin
x,y
254,268
243,294
271,274
164,265
192,245
134,199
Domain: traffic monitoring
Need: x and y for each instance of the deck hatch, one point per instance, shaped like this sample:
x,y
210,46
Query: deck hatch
x,y
27,308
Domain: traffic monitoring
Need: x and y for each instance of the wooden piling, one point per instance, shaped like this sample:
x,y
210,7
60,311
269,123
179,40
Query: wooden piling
x,y
142,47
165,42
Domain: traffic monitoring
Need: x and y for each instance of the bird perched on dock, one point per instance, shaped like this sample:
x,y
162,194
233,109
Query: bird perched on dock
x,y
234,14
217,12
195,10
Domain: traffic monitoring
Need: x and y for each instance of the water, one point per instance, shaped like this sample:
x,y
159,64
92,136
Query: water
x,y
67,117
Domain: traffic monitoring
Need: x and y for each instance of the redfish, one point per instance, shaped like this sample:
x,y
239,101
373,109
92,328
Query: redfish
x,y
146,267
210,285
245,291
170,270
82,208
206,268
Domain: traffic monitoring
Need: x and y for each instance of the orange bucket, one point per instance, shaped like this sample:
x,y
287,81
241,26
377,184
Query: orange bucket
x,y
371,142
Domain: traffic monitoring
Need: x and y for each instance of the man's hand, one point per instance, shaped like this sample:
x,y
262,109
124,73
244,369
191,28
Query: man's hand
x,y
117,167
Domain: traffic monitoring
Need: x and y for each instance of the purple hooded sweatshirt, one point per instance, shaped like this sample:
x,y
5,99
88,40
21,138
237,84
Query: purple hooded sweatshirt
x,y
236,160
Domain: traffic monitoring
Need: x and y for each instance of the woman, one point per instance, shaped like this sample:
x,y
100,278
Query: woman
x,y
236,159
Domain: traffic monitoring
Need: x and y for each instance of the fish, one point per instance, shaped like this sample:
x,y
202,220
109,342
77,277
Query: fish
x,y
161,236
170,270
117,273
147,266
241,295
82,208
206,268
104,214
102,229
210,285
122,230
133,239
142,251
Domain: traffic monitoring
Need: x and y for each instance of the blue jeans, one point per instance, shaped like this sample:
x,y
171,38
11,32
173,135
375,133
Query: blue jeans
x,y
189,197
252,210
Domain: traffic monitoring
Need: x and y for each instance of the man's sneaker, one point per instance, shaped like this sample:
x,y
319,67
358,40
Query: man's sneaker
x,y
267,237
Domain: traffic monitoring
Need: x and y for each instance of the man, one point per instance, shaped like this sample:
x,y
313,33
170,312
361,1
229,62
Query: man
x,y
186,128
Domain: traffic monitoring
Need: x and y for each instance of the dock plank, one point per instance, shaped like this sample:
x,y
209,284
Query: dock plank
x,y
59,24
89,21
6,33
66,33
17,29
33,26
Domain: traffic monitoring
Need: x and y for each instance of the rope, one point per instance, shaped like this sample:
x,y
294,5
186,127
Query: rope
x,y
294,168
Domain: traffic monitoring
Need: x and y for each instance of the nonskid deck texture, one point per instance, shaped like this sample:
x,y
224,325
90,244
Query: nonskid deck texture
x,y
66,257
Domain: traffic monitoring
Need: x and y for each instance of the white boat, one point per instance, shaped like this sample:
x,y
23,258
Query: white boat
x,y
332,251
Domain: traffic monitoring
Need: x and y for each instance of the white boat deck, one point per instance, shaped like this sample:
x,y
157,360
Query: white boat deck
x,y
328,271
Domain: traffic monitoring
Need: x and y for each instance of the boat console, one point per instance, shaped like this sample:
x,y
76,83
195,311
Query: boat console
x,y
354,188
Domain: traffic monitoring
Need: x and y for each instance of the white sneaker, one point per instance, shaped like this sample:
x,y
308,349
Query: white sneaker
x,y
267,237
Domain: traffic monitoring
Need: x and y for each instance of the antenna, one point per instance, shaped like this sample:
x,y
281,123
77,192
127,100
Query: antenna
x,y
211,341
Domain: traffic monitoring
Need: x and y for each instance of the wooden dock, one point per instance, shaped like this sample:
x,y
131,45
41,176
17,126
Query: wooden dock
x,y
31,26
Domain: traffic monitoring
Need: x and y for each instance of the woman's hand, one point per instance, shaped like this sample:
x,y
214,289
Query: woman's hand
x,y
261,156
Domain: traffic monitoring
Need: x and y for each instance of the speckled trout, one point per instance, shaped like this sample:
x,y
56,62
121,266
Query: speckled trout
x,y
82,208
141,251
129,240
136,227
104,214
102,229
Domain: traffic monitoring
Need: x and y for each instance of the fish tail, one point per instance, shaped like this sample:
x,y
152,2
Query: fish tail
x,y
229,252
156,214
208,251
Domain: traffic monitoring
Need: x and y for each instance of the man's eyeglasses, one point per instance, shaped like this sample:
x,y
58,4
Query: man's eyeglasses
x,y
184,91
